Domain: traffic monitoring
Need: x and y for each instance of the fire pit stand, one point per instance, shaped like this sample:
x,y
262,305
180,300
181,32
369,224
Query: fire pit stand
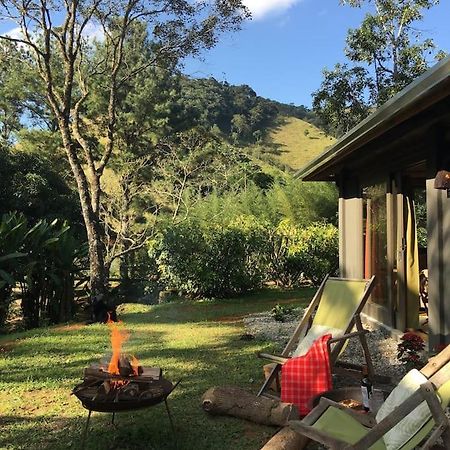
x,y
107,393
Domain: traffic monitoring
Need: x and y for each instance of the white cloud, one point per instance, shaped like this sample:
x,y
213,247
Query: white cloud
x,y
93,32
14,33
260,8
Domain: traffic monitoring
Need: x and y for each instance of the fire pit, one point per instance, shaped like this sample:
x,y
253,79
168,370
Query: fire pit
x,y
122,385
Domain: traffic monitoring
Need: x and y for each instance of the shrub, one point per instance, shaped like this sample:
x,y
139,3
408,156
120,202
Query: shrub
x,y
318,250
211,260
280,312
298,253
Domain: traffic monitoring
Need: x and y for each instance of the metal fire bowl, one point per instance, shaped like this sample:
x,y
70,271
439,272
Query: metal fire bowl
x,y
123,405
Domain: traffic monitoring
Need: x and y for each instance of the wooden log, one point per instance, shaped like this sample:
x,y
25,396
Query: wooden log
x,y
237,402
286,439
148,374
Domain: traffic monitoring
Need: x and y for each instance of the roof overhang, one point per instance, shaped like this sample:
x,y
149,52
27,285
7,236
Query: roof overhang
x,y
425,91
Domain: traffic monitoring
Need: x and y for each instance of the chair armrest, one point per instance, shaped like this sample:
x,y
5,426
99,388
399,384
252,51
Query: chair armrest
x,y
368,420
399,413
275,358
347,336
316,435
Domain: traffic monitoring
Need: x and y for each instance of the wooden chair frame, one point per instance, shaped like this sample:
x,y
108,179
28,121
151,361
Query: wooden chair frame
x,y
437,371
335,345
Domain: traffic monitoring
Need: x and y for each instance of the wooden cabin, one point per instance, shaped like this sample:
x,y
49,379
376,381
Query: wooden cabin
x,y
394,204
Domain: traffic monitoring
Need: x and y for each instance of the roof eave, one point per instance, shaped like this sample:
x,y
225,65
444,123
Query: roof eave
x,y
378,122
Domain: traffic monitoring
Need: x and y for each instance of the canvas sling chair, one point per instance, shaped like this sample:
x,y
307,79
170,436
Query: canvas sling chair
x,y
413,410
334,309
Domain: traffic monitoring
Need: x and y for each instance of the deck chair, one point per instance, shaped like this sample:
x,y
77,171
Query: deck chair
x,y
335,309
405,419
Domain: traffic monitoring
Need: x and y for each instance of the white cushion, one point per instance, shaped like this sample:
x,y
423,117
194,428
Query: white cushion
x,y
315,332
401,433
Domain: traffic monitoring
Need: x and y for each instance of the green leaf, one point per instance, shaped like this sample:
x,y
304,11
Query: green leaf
x,y
7,277
12,256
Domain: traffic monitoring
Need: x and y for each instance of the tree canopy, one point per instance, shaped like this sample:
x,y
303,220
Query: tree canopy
x,y
386,53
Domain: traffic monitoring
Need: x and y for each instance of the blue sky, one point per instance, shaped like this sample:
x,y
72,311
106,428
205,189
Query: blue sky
x,y
282,52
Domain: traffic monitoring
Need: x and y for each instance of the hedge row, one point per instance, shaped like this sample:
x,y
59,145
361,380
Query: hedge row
x,y
201,259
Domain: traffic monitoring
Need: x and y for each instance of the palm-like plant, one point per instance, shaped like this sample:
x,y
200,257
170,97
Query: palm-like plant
x,y
13,229
42,259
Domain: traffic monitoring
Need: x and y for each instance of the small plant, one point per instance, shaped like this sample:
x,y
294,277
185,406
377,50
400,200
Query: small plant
x,y
409,350
280,312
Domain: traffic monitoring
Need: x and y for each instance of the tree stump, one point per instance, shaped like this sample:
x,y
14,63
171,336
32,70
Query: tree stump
x,y
286,439
237,402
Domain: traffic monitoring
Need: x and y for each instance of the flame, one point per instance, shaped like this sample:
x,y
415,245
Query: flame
x,y
135,365
118,337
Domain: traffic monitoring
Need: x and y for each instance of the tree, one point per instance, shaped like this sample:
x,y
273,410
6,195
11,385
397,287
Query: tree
x,y
62,56
388,52
343,99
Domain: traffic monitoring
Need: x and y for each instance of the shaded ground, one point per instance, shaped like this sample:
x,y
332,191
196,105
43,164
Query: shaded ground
x,y
197,342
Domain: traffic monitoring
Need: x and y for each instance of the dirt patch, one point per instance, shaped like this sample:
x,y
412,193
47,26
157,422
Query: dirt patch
x,y
71,327
228,319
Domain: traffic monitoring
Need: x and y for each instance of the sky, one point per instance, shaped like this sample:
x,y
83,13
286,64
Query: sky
x,y
282,51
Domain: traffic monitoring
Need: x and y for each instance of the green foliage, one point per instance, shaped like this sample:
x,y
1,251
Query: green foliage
x,y
281,312
42,259
222,258
389,51
28,181
299,253
344,97
211,260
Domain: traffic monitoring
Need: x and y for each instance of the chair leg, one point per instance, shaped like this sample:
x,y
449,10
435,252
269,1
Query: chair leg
x,y
270,379
365,347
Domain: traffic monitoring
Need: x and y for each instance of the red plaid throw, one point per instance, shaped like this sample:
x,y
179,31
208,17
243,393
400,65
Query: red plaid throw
x,y
306,376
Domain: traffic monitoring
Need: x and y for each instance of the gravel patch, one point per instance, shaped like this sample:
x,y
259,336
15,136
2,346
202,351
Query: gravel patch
x,y
383,348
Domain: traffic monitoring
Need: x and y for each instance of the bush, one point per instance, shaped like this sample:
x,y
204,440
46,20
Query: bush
x,y
299,253
212,260
318,250
280,313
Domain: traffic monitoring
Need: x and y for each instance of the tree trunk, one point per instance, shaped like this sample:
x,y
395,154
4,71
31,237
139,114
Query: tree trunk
x,y
286,439
237,402
97,270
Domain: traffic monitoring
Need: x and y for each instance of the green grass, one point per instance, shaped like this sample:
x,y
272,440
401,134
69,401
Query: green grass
x,y
197,342
296,142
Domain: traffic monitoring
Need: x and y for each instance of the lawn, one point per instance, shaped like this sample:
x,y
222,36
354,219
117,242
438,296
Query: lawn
x,y
197,342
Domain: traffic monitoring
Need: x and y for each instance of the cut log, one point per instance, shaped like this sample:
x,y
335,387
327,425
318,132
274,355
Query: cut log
x,y
286,439
236,402
148,374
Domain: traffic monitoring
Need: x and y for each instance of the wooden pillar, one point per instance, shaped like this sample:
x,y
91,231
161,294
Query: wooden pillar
x,y
351,234
438,230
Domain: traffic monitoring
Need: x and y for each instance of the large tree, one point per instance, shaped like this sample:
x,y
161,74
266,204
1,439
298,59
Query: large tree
x,y
388,51
57,36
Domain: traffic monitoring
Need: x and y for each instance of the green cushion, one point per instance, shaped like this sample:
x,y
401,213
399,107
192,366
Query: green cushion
x,y
339,301
444,394
343,426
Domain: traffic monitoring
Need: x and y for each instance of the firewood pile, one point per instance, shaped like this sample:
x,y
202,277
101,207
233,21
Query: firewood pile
x,y
132,388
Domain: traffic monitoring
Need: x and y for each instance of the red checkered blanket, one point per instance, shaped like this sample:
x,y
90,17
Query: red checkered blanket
x,y
306,376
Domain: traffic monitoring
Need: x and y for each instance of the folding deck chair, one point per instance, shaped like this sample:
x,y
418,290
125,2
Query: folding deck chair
x,y
335,309
405,419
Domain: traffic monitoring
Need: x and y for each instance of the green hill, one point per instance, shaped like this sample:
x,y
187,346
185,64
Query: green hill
x,y
293,142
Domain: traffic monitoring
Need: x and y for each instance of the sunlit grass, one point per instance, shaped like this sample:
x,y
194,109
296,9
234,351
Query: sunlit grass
x,y
298,142
197,342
